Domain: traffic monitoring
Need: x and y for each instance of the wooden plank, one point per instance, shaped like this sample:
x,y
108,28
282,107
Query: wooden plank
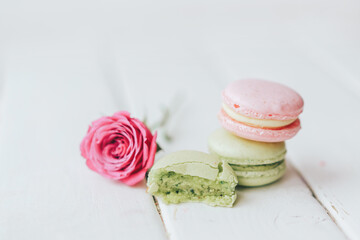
x,y
51,96
330,165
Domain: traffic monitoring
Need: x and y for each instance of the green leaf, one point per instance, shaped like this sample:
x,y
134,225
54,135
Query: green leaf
x,y
158,148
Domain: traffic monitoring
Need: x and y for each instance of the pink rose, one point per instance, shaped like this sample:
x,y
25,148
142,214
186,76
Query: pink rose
x,y
119,147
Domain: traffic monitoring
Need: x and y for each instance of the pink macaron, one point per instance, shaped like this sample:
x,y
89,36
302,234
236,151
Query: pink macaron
x,y
261,110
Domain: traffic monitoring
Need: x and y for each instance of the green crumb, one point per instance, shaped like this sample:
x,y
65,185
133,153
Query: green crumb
x,y
177,188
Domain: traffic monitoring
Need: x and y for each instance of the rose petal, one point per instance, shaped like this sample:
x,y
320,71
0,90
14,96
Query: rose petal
x,y
134,178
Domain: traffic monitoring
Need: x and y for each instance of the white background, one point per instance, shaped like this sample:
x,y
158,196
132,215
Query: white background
x,y
66,63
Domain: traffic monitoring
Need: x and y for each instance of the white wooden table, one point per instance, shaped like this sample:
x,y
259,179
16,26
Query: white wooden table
x,y
64,64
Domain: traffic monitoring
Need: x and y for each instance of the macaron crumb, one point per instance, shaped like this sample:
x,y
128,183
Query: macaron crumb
x,y
177,188
192,176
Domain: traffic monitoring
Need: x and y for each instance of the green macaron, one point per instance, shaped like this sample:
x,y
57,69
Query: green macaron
x,y
255,163
192,176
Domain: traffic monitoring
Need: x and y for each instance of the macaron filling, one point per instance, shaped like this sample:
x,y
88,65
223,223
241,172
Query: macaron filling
x,y
243,162
262,123
177,188
256,168
251,178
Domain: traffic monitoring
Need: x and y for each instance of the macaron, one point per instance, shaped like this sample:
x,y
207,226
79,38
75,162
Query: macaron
x,y
192,176
261,110
255,163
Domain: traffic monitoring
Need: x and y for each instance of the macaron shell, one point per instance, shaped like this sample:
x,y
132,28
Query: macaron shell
x,y
258,134
194,163
263,99
241,151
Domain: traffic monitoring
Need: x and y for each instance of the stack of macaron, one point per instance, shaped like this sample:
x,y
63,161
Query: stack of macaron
x,y
257,116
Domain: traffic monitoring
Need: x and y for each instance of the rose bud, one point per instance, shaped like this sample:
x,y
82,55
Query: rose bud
x,y
119,147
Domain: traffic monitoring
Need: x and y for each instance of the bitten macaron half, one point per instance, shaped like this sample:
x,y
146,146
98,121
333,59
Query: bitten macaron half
x,y
192,176
254,163
261,110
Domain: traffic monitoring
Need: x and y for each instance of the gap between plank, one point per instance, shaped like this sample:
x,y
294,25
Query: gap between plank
x,y
159,212
318,200
2,93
